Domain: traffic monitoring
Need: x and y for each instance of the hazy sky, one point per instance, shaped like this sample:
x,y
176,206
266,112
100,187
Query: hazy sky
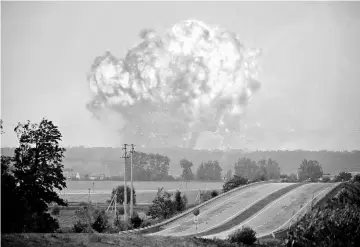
x,y
310,68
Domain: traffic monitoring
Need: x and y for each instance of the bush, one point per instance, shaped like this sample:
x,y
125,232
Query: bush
x,y
196,212
214,193
246,235
162,206
334,224
101,222
180,201
82,227
356,178
205,196
120,225
326,179
235,182
84,220
135,220
43,223
55,210
145,223
120,211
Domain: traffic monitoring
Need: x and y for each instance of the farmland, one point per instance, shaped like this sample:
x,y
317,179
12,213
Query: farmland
x,y
100,192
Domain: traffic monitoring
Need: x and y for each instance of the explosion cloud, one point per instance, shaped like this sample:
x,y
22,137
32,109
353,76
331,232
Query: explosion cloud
x,y
171,87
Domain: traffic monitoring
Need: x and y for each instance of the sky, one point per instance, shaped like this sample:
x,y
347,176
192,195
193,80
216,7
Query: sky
x,y
310,67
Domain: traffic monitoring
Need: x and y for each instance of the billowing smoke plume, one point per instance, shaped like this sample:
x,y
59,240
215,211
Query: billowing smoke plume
x,y
172,87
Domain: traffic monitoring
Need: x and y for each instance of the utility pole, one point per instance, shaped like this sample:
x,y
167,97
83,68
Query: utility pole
x,y
89,195
125,189
132,184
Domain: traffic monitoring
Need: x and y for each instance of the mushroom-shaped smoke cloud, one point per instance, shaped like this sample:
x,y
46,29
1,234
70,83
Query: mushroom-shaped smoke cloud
x,y
169,88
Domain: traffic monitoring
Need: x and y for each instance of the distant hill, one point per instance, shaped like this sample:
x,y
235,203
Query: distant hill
x,y
108,161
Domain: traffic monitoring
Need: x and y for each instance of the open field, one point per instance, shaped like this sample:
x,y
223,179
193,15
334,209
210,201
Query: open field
x,y
277,214
77,191
142,197
75,187
222,210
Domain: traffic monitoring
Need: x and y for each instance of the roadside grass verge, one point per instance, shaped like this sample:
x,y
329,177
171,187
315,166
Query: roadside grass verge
x,y
250,211
110,240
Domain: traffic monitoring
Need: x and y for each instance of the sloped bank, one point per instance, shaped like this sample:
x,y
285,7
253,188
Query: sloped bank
x,y
282,233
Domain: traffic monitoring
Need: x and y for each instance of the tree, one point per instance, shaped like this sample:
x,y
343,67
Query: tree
x,y
245,168
162,206
272,169
187,174
209,171
200,173
310,170
235,182
120,194
343,176
180,201
228,175
37,170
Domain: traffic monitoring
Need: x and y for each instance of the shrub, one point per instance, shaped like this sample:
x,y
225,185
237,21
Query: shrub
x,y
196,212
235,182
135,220
101,222
120,211
326,179
145,223
162,206
119,191
356,178
82,227
246,235
214,193
55,210
334,224
84,220
120,225
205,196
43,223
180,201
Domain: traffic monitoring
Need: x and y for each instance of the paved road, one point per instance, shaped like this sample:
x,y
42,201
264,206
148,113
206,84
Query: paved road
x,y
280,212
220,211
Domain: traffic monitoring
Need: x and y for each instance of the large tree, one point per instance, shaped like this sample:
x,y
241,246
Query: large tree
x,y
37,171
120,194
245,168
209,171
187,174
310,169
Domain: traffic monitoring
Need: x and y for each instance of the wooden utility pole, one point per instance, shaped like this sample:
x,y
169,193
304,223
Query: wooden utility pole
x,y
89,195
132,184
125,185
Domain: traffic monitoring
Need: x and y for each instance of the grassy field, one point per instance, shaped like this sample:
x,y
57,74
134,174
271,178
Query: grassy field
x,y
78,191
141,197
74,187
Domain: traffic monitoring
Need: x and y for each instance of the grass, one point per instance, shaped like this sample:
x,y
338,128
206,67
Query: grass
x,y
109,240
107,186
141,197
250,211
